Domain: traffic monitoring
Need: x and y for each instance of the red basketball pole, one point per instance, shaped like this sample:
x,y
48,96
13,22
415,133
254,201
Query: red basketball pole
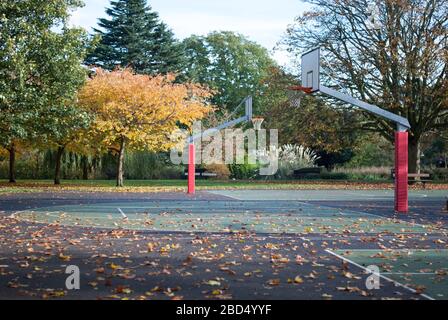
x,y
401,144
401,172
191,147
191,169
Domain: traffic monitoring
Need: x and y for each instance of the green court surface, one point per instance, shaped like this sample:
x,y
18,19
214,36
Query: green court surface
x,y
221,216
421,270
337,195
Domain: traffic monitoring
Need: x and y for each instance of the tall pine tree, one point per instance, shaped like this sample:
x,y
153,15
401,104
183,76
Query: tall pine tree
x,y
133,36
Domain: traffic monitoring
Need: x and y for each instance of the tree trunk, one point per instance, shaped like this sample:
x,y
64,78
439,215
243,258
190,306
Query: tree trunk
x,y
414,155
85,168
120,165
12,163
36,172
57,171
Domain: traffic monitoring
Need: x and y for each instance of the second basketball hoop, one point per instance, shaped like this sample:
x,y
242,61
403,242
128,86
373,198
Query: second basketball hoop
x,y
257,122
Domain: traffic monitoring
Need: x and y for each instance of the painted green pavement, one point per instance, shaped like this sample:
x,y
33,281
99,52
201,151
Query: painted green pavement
x,y
222,216
423,270
338,195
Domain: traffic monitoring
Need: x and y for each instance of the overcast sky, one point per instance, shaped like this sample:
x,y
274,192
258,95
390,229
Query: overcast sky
x,y
263,21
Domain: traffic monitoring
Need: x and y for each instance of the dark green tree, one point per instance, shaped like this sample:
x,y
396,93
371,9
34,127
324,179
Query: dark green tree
x,y
40,70
134,37
229,63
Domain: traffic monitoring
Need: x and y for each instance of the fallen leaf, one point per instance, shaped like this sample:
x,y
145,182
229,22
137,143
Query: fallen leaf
x,y
298,280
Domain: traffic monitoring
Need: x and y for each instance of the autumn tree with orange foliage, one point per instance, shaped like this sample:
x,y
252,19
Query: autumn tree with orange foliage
x,y
140,112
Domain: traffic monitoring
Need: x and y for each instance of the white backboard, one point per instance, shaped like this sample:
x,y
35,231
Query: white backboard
x,y
311,69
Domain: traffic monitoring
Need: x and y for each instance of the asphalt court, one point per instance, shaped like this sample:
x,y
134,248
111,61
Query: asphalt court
x,y
418,265
278,217
259,211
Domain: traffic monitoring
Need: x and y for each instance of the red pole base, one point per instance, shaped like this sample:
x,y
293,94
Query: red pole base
x,y
401,172
191,169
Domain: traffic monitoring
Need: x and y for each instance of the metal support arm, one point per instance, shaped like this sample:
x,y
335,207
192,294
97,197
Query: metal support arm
x,y
246,118
403,123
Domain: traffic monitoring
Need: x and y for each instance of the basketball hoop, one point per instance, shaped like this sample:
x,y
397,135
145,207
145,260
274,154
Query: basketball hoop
x,y
257,121
307,90
296,94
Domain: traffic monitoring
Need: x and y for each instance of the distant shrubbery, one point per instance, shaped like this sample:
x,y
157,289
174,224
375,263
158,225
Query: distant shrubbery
x,y
366,173
243,171
139,166
440,174
145,165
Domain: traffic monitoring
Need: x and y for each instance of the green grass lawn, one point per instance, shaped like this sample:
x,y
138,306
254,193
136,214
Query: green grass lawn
x,y
181,185
160,185
146,183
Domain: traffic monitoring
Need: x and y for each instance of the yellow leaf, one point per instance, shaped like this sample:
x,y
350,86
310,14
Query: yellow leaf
x,y
64,257
308,229
298,280
114,266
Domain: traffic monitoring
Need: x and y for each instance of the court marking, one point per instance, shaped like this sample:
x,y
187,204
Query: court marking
x,y
329,195
389,250
381,275
122,213
341,212
303,202
231,210
410,273
98,223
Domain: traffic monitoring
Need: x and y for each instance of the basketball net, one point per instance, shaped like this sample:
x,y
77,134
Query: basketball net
x,y
296,95
295,98
257,121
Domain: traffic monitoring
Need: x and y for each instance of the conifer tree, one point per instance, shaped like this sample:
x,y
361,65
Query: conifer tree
x,y
134,37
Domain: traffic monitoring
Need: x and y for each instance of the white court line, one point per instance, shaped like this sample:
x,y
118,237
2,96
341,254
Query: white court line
x,y
332,237
286,208
345,212
376,216
122,213
366,196
399,249
396,283
409,273
385,196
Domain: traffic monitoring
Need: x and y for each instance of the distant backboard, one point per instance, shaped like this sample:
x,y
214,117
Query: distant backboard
x,y
311,70
248,105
